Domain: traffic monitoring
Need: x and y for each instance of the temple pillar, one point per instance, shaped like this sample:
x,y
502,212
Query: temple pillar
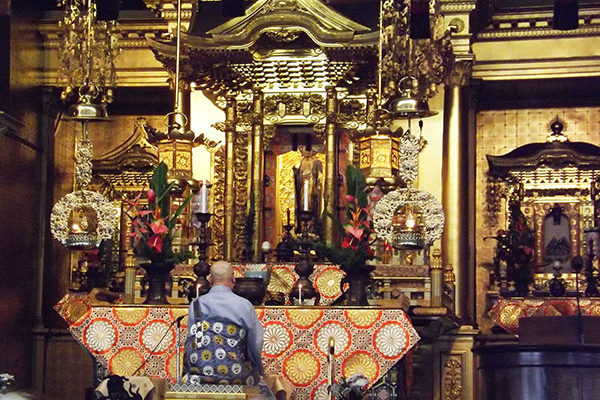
x,y
230,124
457,192
331,164
258,169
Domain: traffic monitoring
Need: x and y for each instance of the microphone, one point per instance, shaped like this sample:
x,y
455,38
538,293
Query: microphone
x,y
176,320
577,264
178,344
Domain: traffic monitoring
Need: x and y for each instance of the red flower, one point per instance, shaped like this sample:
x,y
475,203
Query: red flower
x,y
354,231
155,242
350,243
135,203
151,195
158,226
350,198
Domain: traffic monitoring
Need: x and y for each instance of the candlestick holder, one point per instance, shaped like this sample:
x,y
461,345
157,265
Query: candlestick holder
x,y
590,276
285,249
303,288
202,267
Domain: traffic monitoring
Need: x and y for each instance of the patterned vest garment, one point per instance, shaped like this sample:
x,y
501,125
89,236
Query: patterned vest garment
x,y
215,352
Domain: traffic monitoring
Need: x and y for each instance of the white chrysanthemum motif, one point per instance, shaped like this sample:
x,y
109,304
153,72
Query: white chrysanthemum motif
x,y
276,339
194,358
242,333
432,213
100,336
232,342
152,336
207,370
391,340
339,335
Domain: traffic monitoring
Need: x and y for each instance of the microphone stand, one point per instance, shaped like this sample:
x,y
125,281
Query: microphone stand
x,y
580,337
178,355
577,264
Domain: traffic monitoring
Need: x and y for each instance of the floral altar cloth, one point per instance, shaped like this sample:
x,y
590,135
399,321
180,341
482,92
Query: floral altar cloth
x,y
368,341
507,311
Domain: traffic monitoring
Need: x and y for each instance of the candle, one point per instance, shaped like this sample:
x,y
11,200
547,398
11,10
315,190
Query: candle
x,y
197,290
300,294
306,196
203,200
288,216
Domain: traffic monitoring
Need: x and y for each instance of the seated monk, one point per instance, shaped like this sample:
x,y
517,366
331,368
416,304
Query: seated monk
x,y
224,339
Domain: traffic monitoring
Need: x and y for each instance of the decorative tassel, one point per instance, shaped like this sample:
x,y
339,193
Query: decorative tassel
x,y
419,20
566,14
232,8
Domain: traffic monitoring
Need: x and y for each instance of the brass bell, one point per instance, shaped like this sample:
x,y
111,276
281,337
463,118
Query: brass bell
x,y
406,106
85,109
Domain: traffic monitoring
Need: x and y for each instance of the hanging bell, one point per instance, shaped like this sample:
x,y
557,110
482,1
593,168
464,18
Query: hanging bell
x,y
85,109
407,106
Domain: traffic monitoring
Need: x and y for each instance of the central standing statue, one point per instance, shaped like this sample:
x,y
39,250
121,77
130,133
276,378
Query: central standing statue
x,y
308,179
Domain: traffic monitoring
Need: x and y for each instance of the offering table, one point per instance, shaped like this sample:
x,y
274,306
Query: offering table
x,y
368,340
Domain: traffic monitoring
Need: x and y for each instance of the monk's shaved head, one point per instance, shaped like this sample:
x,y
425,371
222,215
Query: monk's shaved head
x,y
221,273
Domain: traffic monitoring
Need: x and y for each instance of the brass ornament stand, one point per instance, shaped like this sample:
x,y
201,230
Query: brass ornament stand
x,y
202,267
303,288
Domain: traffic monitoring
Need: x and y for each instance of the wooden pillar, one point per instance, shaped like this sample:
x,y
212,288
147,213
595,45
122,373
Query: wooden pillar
x,y
331,163
230,124
258,189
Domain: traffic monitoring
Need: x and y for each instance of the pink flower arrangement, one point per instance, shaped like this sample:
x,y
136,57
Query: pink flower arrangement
x,y
357,227
152,226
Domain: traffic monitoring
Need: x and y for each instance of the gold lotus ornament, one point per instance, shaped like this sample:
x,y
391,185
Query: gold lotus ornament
x,y
83,218
409,218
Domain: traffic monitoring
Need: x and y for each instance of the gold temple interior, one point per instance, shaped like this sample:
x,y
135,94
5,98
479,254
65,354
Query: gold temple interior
x,y
513,75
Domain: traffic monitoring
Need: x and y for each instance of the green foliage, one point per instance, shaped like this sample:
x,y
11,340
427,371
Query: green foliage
x,y
159,214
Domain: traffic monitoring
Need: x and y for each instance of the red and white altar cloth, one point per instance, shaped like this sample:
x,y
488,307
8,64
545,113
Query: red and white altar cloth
x,y
368,341
507,311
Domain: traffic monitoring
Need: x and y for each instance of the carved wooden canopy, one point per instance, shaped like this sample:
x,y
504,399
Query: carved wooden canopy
x,y
556,153
128,167
281,43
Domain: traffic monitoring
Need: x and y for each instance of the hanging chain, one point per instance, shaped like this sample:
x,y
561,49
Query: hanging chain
x,y
83,160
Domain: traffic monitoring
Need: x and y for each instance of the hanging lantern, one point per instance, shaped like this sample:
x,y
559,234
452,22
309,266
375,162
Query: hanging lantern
x,y
83,218
409,218
379,158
